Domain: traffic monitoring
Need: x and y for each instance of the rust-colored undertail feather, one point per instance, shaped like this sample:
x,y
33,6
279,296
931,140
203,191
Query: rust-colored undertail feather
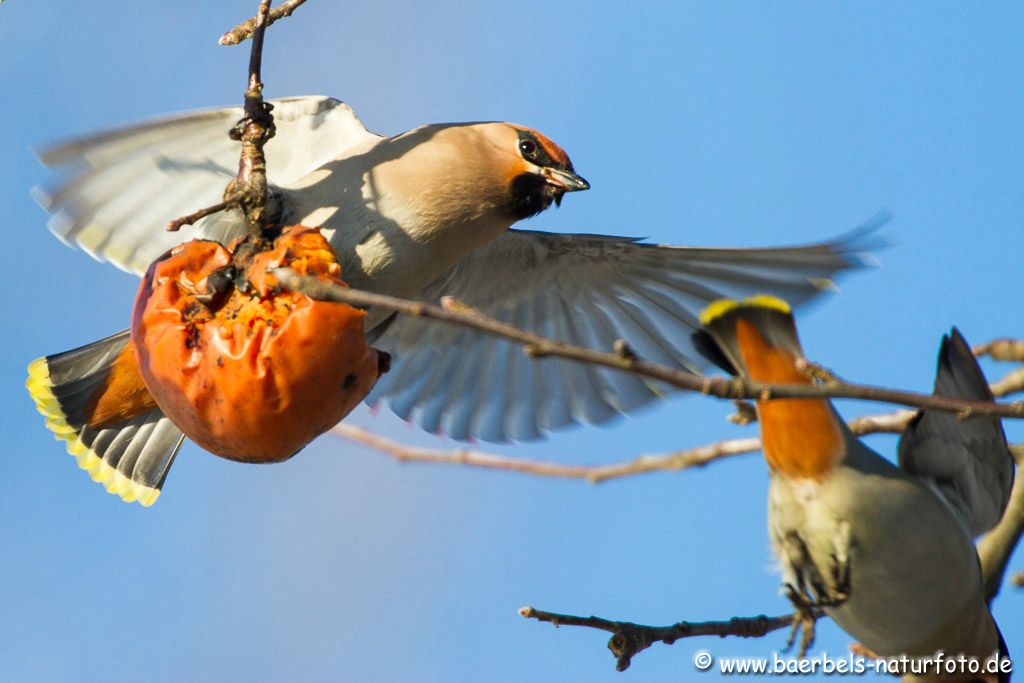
x,y
757,338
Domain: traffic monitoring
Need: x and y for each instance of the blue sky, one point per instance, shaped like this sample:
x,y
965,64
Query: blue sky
x,y
713,123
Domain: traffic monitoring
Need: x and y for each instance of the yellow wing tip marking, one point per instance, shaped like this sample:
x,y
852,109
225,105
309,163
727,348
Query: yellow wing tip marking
x,y
40,388
716,309
92,237
824,284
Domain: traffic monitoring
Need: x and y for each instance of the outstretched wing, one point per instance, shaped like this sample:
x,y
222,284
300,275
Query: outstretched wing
x,y
966,460
587,290
118,190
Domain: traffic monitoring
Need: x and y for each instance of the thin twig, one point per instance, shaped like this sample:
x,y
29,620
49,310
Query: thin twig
x,y
883,423
1002,349
996,546
245,30
472,458
537,346
886,423
177,223
679,460
253,131
746,413
687,458
1012,383
248,190
628,638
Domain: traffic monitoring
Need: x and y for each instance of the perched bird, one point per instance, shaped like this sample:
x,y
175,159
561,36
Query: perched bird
x,y
887,551
422,214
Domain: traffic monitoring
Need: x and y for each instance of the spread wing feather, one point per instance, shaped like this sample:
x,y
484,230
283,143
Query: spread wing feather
x,y
119,189
588,290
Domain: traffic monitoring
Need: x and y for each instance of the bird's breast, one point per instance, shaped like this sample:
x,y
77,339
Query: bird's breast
x,y
914,579
383,246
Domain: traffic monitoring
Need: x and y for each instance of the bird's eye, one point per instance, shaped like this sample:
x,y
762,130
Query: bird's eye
x,y
528,148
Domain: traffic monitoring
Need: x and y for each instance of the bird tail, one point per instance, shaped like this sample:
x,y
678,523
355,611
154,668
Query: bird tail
x,y
967,460
95,400
753,338
959,373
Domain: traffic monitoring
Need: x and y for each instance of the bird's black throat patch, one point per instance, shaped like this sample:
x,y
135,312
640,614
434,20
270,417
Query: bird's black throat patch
x,y
529,195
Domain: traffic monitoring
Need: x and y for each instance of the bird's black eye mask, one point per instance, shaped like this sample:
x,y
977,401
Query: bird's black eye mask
x,y
531,193
533,151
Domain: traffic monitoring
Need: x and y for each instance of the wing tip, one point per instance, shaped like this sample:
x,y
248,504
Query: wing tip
x,y
40,388
823,284
860,244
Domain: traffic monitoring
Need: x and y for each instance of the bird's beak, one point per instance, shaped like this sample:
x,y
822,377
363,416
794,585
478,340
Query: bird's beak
x,y
564,180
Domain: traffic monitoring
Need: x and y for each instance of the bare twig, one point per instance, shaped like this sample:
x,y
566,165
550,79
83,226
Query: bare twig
x,y
745,414
884,423
628,638
253,131
245,30
537,346
1002,349
1012,383
177,223
691,457
472,458
248,190
996,546
887,423
687,458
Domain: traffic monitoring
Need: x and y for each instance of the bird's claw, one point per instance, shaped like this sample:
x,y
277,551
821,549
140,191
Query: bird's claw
x,y
804,620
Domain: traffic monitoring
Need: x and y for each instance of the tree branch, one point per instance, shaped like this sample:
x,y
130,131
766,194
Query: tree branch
x,y
537,346
178,223
1011,383
248,190
698,456
887,423
245,30
250,186
1002,349
595,474
687,458
996,546
628,638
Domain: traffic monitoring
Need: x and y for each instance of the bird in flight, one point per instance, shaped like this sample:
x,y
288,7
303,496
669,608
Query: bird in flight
x,y
423,214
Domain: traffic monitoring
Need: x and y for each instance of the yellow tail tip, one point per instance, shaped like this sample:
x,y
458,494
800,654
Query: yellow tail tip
x,y
40,388
716,309
39,370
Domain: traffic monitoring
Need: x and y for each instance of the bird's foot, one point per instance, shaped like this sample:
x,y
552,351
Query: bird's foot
x,y
805,617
